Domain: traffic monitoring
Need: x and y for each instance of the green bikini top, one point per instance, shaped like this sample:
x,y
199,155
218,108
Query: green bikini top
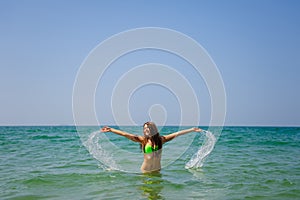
x,y
149,149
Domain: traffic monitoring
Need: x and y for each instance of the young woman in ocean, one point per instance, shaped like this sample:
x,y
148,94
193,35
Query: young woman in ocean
x,y
151,143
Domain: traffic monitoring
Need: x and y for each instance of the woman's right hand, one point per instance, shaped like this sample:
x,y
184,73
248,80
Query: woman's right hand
x,y
105,129
196,129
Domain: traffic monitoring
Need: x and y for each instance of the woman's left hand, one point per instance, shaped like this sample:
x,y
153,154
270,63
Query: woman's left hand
x,y
105,129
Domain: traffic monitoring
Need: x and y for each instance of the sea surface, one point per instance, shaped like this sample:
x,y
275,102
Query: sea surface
x,y
61,162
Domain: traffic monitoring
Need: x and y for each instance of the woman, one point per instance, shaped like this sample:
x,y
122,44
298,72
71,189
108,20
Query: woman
x,y
151,143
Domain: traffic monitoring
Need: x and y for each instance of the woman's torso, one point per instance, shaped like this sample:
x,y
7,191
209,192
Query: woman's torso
x,y
152,158
152,161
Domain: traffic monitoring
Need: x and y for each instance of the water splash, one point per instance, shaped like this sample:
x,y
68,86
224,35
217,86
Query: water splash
x,y
97,151
206,148
110,156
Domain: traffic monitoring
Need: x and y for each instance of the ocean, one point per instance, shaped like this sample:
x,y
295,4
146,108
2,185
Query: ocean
x,y
61,162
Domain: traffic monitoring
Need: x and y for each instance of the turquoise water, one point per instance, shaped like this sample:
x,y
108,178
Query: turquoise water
x,y
246,163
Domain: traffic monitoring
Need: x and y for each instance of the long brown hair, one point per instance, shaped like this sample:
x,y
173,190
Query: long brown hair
x,y
154,136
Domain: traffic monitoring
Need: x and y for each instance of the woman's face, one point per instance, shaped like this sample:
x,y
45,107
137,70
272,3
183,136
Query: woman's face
x,y
146,130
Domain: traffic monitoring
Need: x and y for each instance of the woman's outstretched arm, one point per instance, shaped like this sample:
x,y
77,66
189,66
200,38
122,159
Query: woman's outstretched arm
x,y
167,138
130,136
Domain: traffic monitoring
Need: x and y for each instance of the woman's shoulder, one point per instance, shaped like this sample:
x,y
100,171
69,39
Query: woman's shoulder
x,y
163,139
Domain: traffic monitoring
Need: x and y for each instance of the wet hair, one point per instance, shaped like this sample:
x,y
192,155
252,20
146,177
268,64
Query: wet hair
x,y
154,136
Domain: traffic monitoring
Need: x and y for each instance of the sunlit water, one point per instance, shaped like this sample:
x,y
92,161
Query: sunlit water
x,y
54,163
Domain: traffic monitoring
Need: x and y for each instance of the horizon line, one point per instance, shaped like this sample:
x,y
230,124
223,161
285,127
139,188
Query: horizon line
x,y
226,125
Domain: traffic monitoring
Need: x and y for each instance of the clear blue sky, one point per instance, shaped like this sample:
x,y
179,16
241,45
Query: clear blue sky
x,y
255,44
